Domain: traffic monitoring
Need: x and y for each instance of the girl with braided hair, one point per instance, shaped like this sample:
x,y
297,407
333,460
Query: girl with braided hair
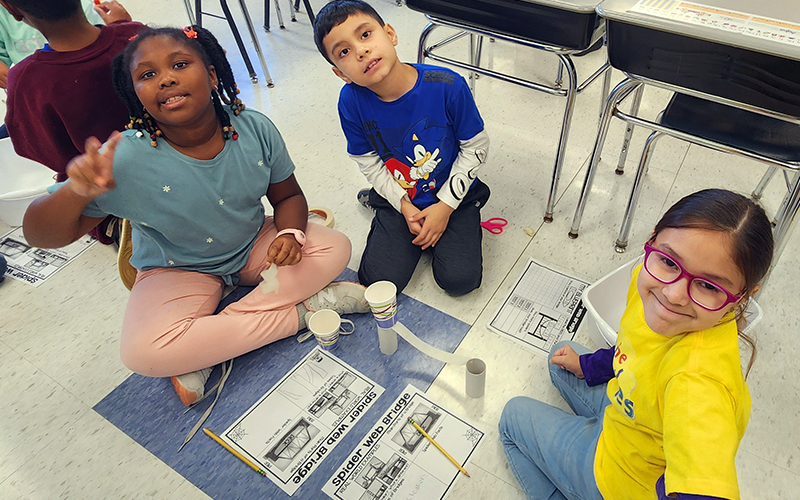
x,y
189,175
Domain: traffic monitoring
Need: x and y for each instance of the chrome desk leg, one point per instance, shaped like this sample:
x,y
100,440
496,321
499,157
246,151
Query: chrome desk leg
x,y
626,143
630,211
475,46
762,184
622,90
189,10
559,75
423,37
236,36
572,90
292,9
785,225
781,212
605,89
257,45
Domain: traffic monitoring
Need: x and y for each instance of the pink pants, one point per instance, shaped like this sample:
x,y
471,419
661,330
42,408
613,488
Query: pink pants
x,y
169,328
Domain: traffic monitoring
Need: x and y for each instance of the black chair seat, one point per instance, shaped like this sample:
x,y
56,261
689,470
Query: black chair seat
x,y
733,127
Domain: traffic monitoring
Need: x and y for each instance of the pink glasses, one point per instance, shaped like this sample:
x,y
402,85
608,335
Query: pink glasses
x,y
703,292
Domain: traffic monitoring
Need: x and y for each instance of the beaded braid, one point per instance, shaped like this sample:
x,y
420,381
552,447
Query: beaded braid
x,y
206,45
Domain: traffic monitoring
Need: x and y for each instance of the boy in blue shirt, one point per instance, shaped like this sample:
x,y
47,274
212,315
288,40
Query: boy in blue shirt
x,y
417,136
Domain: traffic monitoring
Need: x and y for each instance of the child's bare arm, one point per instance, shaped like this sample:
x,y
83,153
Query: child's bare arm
x,y
56,220
291,212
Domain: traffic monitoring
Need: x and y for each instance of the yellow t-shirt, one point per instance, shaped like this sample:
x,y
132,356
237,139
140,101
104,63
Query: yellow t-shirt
x,y
679,407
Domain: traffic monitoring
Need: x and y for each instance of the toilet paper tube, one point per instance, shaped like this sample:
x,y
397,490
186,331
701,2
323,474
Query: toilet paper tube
x,y
476,378
387,340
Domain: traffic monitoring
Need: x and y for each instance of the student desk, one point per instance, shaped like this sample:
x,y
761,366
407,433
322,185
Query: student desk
x,y
716,60
561,27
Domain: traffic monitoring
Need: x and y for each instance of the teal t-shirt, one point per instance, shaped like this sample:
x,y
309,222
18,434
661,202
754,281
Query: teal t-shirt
x,y
18,40
198,215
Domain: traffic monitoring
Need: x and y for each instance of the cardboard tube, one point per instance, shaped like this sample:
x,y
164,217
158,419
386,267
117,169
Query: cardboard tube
x,y
388,340
476,378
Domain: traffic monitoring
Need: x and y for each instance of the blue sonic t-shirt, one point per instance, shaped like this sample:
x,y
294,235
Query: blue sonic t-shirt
x,y
416,135
197,215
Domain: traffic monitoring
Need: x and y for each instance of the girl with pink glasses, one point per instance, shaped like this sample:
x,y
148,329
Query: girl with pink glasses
x,y
664,410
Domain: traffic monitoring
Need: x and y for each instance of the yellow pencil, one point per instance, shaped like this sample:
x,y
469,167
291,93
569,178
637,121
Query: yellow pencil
x,y
437,445
236,453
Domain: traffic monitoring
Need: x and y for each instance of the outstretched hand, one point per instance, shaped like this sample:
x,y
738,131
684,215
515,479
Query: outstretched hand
x,y
92,173
568,359
284,251
112,12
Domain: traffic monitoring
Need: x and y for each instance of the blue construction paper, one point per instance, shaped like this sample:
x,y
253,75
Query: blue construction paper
x,y
147,409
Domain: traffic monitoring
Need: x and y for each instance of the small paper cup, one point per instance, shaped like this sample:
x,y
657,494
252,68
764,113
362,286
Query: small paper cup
x,y
325,324
382,298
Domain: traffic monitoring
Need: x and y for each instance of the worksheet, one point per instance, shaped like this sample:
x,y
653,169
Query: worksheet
x,y
722,19
36,265
543,308
292,428
395,461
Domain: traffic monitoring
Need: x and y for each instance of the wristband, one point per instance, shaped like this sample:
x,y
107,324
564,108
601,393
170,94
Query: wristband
x,y
299,235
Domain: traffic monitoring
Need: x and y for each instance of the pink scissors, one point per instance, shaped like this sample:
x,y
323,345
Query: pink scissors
x,y
494,225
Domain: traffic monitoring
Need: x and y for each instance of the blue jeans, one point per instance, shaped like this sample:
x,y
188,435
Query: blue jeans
x,y
551,452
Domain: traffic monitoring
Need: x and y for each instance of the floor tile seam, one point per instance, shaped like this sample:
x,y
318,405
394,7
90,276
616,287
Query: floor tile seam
x,y
771,463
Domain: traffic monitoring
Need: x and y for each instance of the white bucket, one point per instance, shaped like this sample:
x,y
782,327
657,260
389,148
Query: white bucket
x,y
605,301
21,182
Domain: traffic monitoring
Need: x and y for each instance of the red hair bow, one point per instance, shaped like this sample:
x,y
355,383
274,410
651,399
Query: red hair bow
x,y
190,32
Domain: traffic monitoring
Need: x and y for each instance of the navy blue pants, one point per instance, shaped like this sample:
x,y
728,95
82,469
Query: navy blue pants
x,y
457,257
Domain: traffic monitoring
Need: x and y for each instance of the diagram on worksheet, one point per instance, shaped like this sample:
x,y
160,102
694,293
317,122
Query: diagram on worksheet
x,y
36,265
722,19
543,308
295,425
395,461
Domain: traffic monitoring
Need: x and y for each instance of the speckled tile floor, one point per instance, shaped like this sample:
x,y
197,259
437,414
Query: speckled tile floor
x,y
59,343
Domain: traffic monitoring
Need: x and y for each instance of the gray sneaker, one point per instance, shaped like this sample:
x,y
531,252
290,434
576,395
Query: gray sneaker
x,y
344,297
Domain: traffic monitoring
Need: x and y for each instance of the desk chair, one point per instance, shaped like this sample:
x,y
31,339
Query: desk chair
x,y
196,17
718,123
532,23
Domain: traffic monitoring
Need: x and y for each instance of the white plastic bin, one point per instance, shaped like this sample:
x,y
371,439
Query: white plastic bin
x,y
21,182
605,301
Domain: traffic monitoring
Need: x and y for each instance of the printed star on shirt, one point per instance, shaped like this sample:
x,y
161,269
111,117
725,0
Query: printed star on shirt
x,y
221,201
166,189
171,262
260,163
209,240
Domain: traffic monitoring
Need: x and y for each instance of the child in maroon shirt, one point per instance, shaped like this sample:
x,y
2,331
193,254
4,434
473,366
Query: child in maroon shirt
x,y
63,94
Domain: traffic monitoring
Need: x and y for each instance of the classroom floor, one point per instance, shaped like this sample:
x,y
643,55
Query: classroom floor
x,y
59,347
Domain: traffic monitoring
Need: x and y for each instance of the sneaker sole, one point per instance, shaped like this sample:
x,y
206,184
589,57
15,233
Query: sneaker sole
x,y
187,397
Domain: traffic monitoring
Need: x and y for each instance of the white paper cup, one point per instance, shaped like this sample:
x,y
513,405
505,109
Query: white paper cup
x,y
326,325
476,378
382,298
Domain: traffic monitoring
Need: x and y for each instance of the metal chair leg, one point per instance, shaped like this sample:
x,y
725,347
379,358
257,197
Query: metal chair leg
x,y
189,11
572,90
249,22
423,37
633,201
236,36
292,9
475,44
309,11
620,92
623,154
762,184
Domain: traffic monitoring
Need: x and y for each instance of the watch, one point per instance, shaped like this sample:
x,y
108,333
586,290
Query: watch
x,y
299,235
